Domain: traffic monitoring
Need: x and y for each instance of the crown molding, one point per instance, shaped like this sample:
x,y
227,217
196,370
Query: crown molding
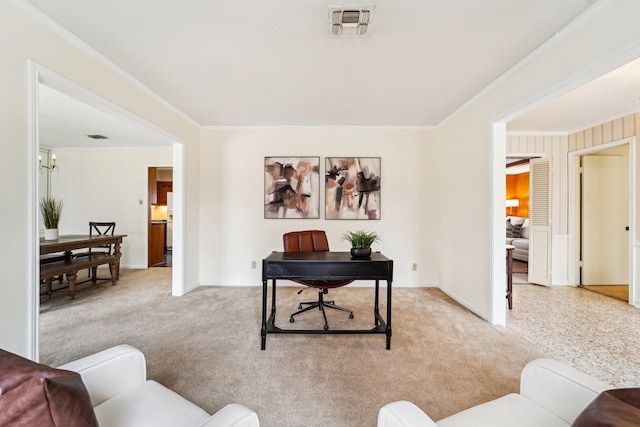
x,y
535,133
320,127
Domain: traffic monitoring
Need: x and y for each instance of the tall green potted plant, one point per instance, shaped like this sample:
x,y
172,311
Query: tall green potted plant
x,y
51,209
361,242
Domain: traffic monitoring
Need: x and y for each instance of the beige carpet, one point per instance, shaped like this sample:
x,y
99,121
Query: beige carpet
x,y
206,346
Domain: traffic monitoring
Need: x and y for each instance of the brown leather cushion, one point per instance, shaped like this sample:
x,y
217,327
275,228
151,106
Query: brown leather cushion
x,y
612,408
32,394
305,241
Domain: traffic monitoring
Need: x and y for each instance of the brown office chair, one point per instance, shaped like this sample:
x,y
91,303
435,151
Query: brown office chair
x,y
313,241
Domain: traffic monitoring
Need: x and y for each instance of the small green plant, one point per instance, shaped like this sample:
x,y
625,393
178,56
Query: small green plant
x,y
360,238
51,210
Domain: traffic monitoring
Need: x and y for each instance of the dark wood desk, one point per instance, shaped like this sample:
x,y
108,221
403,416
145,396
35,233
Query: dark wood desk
x,y
66,264
325,266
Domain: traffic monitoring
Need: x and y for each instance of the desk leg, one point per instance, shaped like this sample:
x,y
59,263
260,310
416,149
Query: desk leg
x,y
388,331
273,299
263,331
376,305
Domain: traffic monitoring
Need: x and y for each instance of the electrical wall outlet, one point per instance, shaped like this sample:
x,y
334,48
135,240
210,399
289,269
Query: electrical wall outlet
x,y
414,266
253,265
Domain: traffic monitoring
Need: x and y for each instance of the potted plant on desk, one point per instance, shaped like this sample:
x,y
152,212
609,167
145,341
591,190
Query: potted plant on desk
x,y
51,210
361,242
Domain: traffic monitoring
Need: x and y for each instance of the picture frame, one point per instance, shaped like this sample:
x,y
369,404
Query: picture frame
x,y
292,187
353,188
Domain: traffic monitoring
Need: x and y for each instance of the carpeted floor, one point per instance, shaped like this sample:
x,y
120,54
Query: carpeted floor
x,y
206,346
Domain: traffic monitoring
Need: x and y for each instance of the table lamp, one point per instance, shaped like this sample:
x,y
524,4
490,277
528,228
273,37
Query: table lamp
x,y
512,203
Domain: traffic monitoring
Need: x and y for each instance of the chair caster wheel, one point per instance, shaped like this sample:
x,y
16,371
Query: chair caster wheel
x,y
291,320
326,327
351,316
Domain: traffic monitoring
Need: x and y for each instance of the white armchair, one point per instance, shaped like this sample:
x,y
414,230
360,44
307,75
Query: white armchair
x,y
552,394
116,380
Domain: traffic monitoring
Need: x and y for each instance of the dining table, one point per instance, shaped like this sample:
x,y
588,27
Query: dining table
x,y
59,257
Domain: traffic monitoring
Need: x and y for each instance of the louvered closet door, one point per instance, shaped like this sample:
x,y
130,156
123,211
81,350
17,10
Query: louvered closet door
x,y
540,222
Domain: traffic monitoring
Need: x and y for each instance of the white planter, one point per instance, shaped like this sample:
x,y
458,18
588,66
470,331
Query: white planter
x,y
51,234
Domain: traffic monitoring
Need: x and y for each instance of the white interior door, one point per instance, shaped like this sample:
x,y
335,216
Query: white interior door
x,y
540,221
605,216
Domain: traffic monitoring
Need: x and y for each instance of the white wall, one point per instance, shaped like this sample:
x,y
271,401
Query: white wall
x,y
463,200
234,231
107,185
25,41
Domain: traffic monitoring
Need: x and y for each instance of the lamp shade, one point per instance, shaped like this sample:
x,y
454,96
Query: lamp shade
x,y
513,203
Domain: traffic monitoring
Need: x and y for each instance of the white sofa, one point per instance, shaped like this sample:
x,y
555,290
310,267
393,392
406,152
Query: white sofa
x,y
552,394
121,395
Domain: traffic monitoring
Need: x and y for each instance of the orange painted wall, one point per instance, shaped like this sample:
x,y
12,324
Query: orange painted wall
x,y
518,188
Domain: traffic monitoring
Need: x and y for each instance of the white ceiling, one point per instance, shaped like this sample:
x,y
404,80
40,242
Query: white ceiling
x,y
257,63
65,122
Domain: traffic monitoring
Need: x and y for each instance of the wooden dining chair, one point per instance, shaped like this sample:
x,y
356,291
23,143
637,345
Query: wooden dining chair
x,y
314,241
99,229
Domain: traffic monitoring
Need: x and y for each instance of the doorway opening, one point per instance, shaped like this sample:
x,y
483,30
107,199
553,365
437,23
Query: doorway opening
x,y
517,215
48,82
602,198
160,218
551,118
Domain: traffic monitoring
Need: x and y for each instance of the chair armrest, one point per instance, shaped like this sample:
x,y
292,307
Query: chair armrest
x,y
234,415
559,388
111,371
403,414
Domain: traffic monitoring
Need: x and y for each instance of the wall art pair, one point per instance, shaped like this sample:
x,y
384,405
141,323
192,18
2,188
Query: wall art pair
x,y
351,187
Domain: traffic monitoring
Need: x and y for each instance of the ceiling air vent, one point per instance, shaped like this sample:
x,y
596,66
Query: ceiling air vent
x,y
98,137
350,21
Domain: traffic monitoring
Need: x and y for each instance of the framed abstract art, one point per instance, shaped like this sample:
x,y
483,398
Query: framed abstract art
x,y
292,187
352,187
